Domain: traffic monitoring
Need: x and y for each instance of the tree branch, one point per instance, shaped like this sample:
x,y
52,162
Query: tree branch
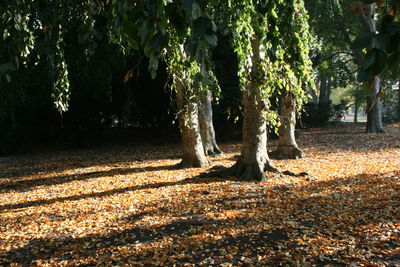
x,y
338,53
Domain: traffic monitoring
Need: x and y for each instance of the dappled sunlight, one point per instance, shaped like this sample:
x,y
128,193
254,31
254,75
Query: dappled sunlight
x,y
346,210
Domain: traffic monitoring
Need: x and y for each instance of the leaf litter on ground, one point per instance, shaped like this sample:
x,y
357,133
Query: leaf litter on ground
x,y
126,206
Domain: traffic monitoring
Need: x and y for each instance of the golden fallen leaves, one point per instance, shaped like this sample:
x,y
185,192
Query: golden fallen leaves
x,y
125,206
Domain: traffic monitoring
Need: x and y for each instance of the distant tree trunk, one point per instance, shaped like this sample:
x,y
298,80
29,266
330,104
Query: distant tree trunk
x,y
314,97
324,91
193,151
287,146
206,125
374,109
324,109
374,105
356,107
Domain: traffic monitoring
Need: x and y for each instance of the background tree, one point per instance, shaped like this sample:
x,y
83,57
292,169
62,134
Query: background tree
x,y
207,131
368,15
334,26
383,51
295,37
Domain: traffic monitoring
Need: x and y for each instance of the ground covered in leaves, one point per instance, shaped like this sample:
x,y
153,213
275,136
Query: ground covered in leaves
x,y
121,205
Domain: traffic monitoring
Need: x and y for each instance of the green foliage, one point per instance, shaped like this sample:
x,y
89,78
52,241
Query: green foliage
x,y
17,35
334,25
383,46
271,41
269,38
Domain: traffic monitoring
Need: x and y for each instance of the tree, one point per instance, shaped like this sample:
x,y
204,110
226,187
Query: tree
x,y
207,131
368,14
182,34
193,151
263,70
146,27
295,38
382,44
383,52
368,46
287,145
183,73
33,46
192,82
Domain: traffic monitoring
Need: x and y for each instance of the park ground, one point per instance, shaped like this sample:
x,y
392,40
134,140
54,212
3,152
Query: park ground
x,y
125,205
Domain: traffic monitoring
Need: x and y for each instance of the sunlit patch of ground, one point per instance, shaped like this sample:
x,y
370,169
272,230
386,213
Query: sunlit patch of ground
x,y
125,205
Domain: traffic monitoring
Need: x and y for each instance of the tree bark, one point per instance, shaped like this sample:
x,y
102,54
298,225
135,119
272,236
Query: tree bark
x,y
374,112
207,127
374,105
324,108
323,91
193,152
287,146
314,97
356,106
254,159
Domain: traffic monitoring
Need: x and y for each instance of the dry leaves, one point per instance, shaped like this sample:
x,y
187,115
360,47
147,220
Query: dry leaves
x,y
124,205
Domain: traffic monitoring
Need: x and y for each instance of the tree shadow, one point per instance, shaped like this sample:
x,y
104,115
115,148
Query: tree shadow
x,y
57,161
27,185
194,180
309,216
88,246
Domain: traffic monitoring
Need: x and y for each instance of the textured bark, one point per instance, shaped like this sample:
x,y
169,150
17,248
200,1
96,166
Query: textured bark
x,y
374,118
193,152
207,127
254,159
287,146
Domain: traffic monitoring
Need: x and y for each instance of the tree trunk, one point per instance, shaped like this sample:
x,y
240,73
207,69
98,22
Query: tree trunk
x,y
206,126
314,97
254,159
328,90
193,152
356,106
323,91
374,105
324,109
287,146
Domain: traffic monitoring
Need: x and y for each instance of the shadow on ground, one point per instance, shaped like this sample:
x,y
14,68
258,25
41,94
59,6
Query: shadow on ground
x,y
278,225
